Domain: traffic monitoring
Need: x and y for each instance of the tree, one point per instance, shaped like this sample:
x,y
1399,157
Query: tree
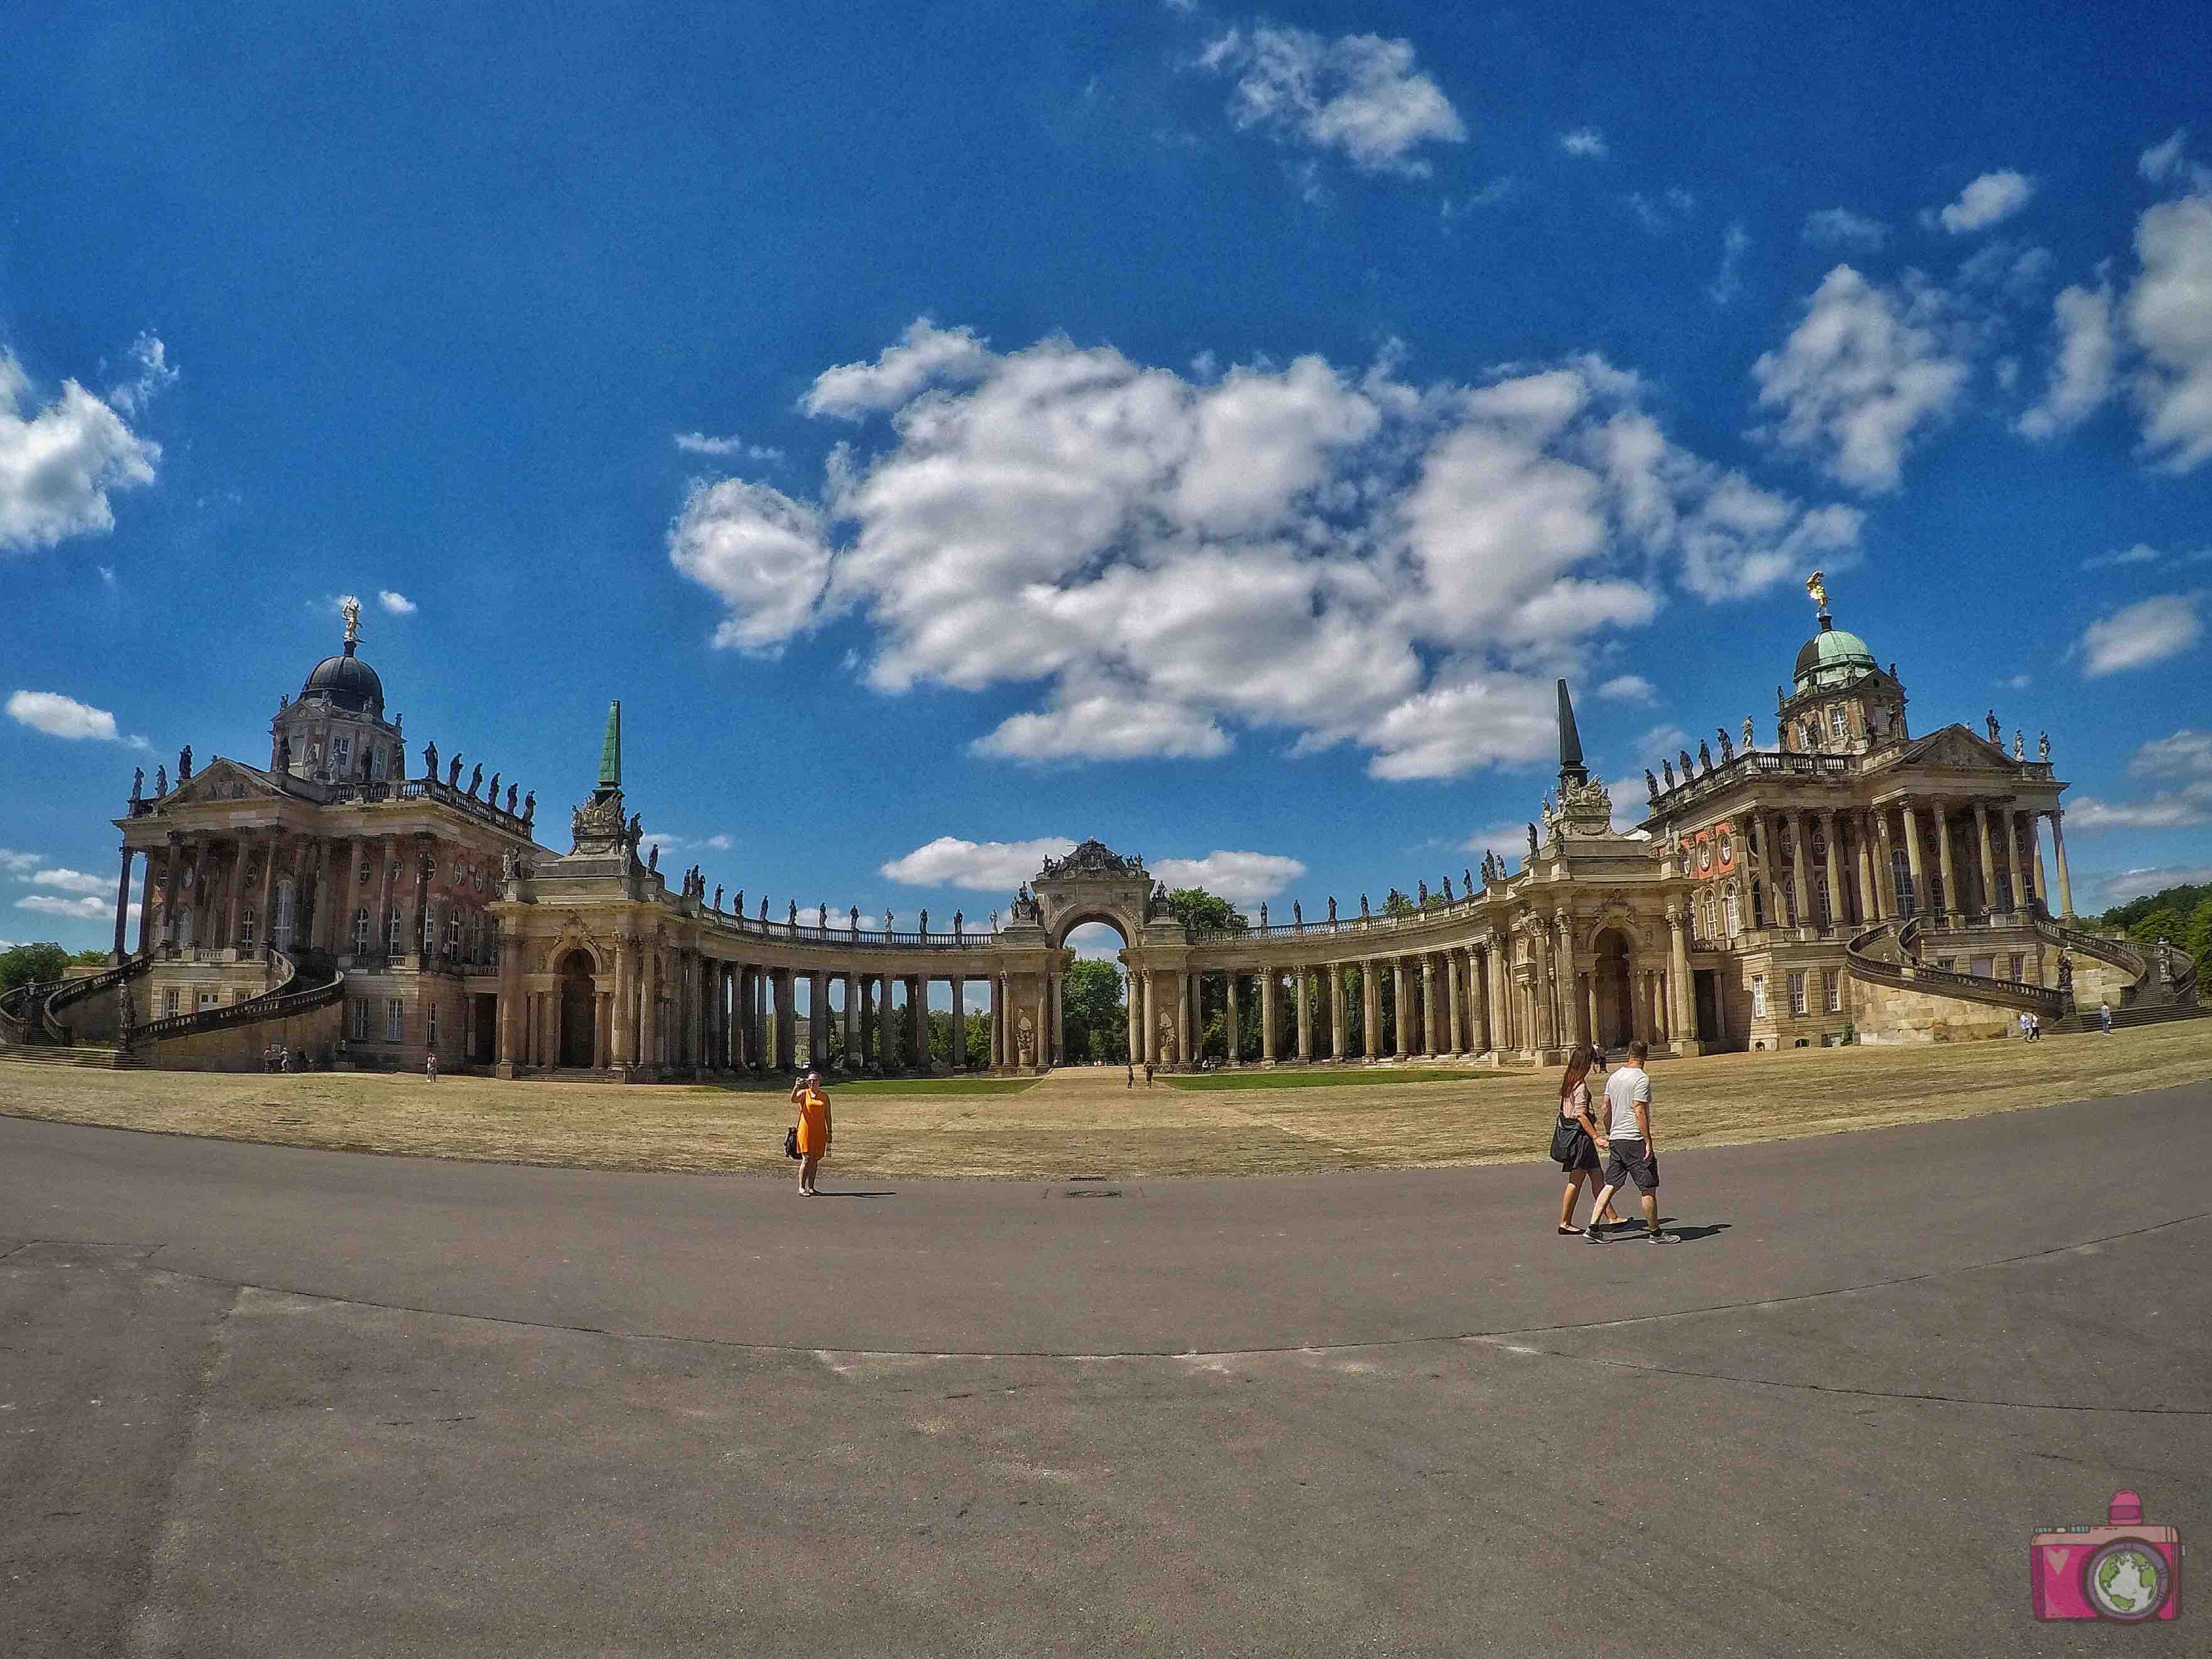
x,y
1202,911
31,964
1093,1013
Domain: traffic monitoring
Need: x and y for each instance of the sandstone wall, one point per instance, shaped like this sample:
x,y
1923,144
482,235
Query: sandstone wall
x,y
1887,1014
239,1047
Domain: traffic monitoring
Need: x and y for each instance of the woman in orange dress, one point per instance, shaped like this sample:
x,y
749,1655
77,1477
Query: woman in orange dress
x,y
813,1105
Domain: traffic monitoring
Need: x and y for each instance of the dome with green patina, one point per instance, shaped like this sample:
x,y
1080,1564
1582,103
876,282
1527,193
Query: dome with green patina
x,y
1833,657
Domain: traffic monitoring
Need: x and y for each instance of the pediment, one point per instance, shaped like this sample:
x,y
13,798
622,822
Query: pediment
x,y
222,779
1957,747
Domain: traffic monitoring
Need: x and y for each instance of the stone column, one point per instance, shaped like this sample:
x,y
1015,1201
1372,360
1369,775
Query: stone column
x,y
1839,903
648,1007
619,1050
1495,972
1234,1056
1869,906
1455,1024
1303,982
123,902
1267,996
2009,820
1800,867
509,1034
146,896
2035,854
786,1022
1683,1018
1940,814
1987,873
956,1053
1060,1019
1133,991
1370,1008
1333,974
2057,857
917,1021
1147,1020
1573,1006
1912,859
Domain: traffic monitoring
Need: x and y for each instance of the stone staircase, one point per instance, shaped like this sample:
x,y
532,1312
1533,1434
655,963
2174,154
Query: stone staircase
x,y
81,1054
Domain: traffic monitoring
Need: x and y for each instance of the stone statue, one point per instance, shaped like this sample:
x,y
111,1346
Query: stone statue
x,y
1667,767
1362,907
1332,909
137,783
1705,755
430,762
476,782
1996,736
285,753
453,774
924,923
510,800
1263,916
1447,891
792,920
160,781
633,833
1818,589
184,764
2018,749
493,795
1532,841
1024,1040
887,921
129,1012
959,924
1424,886
1750,738
1468,876
1297,914
2043,745
1650,784
530,806
717,898
1727,749
2065,972
1683,756
283,701
350,608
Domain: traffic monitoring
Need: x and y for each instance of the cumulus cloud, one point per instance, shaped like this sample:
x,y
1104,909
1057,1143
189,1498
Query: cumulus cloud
x,y
1359,93
1991,199
1865,370
397,604
60,463
82,909
71,881
1507,839
2139,553
2137,635
699,443
1586,142
984,866
59,716
1344,557
1626,688
1240,878
16,864
2163,812
927,354
1728,281
2169,316
2168,163
1839,227
2084,361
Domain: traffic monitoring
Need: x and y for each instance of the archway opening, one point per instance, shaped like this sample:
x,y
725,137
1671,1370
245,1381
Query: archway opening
x,y
1094,994
1610,982
579,1010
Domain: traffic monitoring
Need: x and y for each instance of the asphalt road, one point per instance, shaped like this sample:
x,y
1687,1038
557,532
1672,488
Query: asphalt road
x,y
262,1401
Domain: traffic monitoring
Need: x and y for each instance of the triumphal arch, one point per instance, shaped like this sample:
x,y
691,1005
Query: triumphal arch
x,y
1847,880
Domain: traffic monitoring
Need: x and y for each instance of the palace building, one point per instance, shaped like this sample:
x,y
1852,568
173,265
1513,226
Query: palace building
x,y
1846,882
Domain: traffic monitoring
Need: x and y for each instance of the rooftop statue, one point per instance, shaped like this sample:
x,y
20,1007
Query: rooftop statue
x,y
1750,739
430,761
1705,755
1727,749
1667,767
1818,589
1650,784
2043,745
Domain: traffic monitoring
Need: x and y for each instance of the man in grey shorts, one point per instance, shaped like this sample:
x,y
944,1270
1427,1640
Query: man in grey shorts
x,y
1629,1153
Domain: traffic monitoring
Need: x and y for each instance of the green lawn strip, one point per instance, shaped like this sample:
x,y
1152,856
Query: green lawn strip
x,y
1316,1080
929,1086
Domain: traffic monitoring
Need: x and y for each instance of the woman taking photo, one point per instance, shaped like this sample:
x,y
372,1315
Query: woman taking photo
x,y
1574,1142
813,1105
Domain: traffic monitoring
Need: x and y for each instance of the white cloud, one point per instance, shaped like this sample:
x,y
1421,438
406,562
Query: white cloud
x,y
71,881
1838,226
1359,93
2139,554
1626,688
988,866
88,910
2083,363
1661,214
2164,812
1340,556
2017,682
1585,141
2186,754
2169,163
699,443
1858,376
1240,878
1507,839
2169,315
718,843
1991,199
1728,281
760,552
2143,881
2148,631
59,464
16,864
397,604
925,356
1094,941
59,716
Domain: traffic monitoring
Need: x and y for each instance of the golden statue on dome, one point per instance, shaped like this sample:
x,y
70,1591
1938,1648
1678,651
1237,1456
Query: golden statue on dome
x,y
350,608
1818,589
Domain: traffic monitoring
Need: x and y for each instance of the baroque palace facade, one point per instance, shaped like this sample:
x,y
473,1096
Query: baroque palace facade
x,y
1848,882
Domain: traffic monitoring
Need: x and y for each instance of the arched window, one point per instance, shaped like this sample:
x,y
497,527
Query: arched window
x,y
1734,912
1758,905
246,928
429,930
360,933
392,935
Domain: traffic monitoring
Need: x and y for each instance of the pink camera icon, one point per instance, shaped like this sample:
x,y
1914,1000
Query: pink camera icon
x,y
2122,1570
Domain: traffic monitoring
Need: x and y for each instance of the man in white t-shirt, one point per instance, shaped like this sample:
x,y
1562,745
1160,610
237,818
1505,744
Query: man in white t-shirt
x,y
1628,1153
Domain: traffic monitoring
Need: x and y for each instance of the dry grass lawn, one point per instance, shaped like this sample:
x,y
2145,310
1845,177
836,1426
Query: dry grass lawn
x,y
1086,1122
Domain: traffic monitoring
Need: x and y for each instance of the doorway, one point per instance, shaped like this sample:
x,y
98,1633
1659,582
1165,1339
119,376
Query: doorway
x,y
578,1010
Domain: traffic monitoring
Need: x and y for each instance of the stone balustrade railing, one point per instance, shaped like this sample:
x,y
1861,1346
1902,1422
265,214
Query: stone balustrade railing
x,y
876,937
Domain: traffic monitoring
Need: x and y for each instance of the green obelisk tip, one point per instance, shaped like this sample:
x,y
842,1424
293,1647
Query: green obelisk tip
x,y
611,751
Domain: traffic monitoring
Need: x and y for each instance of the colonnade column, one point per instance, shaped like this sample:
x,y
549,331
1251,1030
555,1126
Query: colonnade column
x,y
1869,907
618,1047
1234,1045
648,1010
1839,903
2057,857
1136,996
1334,974
2035,855
1187,1020
1305,984
1989,863
956,1044
1495,977
1148,1024
1913,863
2009,821
1939,811
123,902
1455,1023
1370,1008
1684,1019
1573,1002
1800,867
1267,998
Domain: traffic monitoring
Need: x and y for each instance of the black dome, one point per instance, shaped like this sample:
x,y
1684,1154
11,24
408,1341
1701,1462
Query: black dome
x,y
346,683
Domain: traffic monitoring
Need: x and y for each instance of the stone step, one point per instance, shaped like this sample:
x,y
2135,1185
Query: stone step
x,y
84,1055
2085,1019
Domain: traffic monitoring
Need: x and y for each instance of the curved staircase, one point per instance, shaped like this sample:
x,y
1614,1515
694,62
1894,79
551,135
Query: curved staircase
x,y
1888,954
30,1032
310,982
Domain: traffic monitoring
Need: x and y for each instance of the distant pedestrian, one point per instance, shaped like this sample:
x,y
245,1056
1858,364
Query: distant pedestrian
x,y
1132,1083
1148,1074
1575,1141
2035,1028
2023,1025
813,1105
1630,1152
430,1064
2105,1017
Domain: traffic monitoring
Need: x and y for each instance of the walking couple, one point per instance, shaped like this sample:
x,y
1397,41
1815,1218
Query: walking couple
x,y
1624,1145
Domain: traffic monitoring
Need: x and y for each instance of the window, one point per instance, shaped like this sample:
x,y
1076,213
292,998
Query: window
x,y
453,936
208,999
246,928
280,934
1758,905
391,935
1901,874
360,933
1839,727
168,1004
475,877
1704,856
429,930
1734,911
1727,847
1983,967
341,754
430,1026
1797,993
376,764
2017,965
360,1019
1820,906
395,1020
1831,989
1758,996
460,873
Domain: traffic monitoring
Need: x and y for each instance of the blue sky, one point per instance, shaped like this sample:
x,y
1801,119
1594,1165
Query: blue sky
x,y
1207,429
